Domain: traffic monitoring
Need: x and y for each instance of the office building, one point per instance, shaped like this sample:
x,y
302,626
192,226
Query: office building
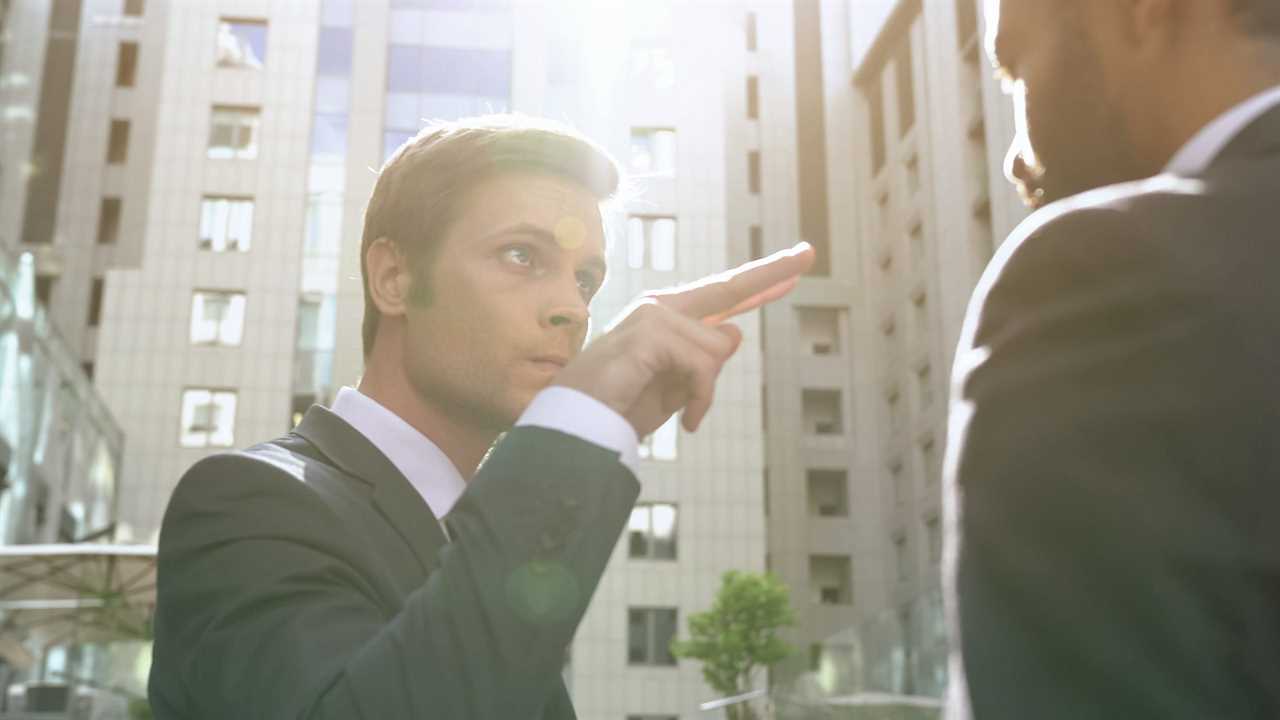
x,y
192,194
881,140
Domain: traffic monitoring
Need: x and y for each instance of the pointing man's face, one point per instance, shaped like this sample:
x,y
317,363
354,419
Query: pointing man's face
x,y
509,288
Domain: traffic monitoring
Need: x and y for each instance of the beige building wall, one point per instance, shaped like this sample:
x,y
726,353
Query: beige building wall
x,y
914,131
146,356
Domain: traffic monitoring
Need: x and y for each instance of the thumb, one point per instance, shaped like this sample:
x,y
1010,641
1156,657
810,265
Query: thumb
x,y
734,333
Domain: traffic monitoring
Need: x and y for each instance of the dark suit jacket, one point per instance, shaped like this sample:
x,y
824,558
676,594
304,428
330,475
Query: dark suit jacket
x,y
1114,478
305,578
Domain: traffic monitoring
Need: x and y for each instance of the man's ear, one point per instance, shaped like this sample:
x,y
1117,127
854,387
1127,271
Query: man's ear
x,y
390,281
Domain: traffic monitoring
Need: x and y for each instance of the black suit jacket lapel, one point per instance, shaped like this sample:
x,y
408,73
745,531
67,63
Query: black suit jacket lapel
x,y
394,497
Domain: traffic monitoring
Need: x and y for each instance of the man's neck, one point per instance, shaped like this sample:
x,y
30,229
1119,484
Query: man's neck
x,y
1221,86
464,446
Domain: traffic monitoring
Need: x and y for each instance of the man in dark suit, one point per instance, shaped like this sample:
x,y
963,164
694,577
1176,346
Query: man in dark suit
x,y
1113,473
361,566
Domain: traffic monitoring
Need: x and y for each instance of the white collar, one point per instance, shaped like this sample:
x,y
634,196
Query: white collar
x,y
1196,156
423,464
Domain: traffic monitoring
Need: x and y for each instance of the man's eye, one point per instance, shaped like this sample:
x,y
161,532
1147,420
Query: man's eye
x,y
519,255
587,284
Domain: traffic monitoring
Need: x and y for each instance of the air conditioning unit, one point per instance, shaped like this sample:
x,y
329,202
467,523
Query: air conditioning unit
x,y
52,701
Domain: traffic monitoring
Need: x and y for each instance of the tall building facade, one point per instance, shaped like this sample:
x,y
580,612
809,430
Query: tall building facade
x,y
193,196
883,135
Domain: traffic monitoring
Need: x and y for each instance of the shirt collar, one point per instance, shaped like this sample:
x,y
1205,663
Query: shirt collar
x,y
423,464
1196,156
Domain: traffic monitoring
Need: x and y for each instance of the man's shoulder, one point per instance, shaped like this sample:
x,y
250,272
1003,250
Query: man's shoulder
x,y
1114,220
286,472
1144,236
284,458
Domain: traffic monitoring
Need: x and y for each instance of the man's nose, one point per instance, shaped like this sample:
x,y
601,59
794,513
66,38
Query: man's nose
x,y
571,313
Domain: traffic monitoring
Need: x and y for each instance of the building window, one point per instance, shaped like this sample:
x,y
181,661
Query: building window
x,y
127,64
329,136
653,65
912,167
241,43
898,478
828,493
933,528
118,142
753,172
466,72
439,82
95,302
831,579
756,235
217,317
924,385
657,235
875,108
753,97
820,330
336,46
649,635
44,289
653,151
133,8
929,458
902,552
109,221
906,88
651,532
764,480
233,132
894,400
208,418
226,224
661,445
752,39
915,236
821,412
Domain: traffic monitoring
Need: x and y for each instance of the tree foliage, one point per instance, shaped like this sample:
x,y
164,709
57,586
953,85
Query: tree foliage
x,y
739,634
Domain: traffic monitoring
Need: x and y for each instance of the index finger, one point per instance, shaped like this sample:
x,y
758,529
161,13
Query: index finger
x,y
743,288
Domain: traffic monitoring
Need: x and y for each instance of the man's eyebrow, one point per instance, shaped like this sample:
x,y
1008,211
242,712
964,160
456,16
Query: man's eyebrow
x,y
546,237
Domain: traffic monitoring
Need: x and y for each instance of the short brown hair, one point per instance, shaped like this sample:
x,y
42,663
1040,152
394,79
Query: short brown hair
x,y
422,185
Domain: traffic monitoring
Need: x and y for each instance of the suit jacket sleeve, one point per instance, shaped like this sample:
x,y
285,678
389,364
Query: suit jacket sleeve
x,y
1081,464
277,621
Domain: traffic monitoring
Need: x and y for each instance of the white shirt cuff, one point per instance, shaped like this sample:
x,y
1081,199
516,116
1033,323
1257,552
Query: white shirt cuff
x,y
577,413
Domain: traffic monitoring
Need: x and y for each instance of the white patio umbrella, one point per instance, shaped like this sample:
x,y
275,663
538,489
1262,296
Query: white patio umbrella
x,y
59,594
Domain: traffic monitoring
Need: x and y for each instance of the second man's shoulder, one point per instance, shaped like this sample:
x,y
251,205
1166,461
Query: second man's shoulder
x,y
1114,234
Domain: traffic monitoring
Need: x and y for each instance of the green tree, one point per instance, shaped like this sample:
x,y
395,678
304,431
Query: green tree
x,y
739,634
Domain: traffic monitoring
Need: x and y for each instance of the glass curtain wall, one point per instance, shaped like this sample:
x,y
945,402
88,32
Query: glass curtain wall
x,y
317,302
60,448
427,80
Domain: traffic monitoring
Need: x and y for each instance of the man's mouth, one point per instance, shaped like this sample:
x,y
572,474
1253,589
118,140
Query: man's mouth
x,y
549,363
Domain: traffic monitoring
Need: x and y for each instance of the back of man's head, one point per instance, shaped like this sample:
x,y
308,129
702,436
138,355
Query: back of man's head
x,y
422,187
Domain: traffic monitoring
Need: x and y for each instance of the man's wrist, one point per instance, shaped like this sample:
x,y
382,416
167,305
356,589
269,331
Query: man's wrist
x,y
576,413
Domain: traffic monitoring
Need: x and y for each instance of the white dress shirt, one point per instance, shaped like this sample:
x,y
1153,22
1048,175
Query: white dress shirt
x,y
1199,152
434,475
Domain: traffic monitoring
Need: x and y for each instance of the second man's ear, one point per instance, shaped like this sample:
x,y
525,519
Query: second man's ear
x,y
390,278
